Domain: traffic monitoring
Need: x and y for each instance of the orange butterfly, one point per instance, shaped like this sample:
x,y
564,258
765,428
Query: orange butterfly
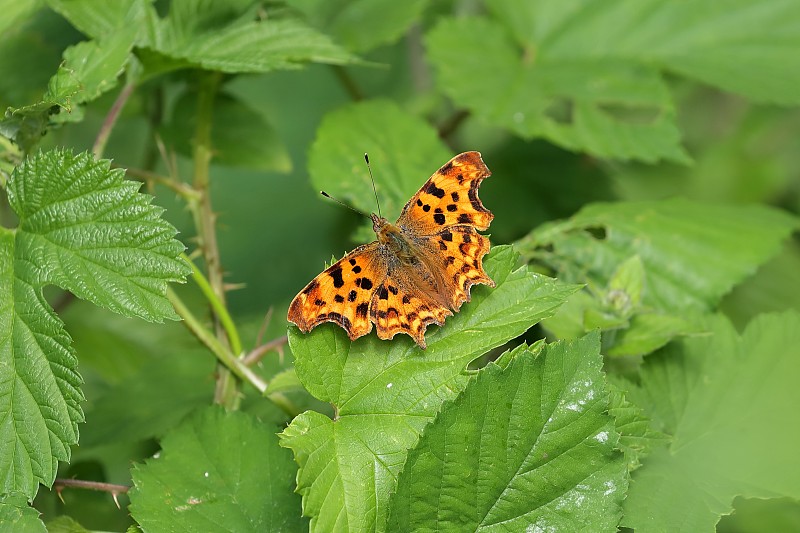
x,y
419,270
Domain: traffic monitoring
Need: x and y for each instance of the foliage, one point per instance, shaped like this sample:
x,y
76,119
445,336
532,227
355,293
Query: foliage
x,y
633,366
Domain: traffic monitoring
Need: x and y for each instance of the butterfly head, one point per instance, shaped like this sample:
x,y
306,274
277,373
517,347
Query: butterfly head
x,y
378,223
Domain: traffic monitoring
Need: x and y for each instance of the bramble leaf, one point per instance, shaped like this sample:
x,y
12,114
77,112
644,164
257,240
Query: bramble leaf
x,y
218,471
729,401
17,516
362,24
692,253
86,229
228,38
528,447
336,160
386,392
588,75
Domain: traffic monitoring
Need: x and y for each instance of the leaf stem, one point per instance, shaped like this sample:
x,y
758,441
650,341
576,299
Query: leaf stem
x,y
111,119
225,356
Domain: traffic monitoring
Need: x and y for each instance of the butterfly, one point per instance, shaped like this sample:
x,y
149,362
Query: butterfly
x,y
418,271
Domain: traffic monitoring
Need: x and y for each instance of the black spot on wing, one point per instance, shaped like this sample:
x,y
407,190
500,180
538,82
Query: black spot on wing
x,y
383,294
336,274
433,190
426,208
447,236
361,310
393,289
351,297
338,298
467,238
356,269
320,303
439,218
446,168
311,287
452,207
454,196
465,218
366,284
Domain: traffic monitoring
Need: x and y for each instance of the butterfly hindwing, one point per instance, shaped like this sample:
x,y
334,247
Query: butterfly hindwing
x,y
449,197
400,308
341,293
461,253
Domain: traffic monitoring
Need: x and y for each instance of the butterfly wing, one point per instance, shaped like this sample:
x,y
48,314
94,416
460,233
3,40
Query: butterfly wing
x,y
398,306
342,293
449,198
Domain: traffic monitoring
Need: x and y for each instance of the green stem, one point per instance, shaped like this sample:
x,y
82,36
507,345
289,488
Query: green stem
x,y
220,311
225,356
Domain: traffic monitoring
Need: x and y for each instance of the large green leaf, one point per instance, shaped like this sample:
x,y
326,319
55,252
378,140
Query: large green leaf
x,y
403,156
219,471
692,253
227,37
97,23
39,382
587,75
528,447
87,230
361,24
729,401
386,392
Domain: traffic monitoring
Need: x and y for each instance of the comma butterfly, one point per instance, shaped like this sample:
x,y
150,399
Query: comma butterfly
x,y
419,270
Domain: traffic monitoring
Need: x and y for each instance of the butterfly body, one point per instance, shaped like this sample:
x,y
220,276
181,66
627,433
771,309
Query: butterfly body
x,y
417,272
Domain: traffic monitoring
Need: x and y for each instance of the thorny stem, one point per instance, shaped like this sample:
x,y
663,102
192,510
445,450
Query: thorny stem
x,y
115,490
111,119
184,190
257,353
226,392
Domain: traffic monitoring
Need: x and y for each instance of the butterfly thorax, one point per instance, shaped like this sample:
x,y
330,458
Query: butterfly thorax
x,y
392,237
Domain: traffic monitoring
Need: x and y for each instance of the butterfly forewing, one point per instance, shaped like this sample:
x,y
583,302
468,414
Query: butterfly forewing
x,y
449,197
342,293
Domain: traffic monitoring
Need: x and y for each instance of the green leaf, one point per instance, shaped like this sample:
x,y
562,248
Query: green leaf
x,y
97,23
530,447
224,37
17,516
605,106
39,382
647,332
403,155
693,253
386,392
587,75
240,136
65,524
637,438
89,69
729,401
219,471
86,229
15,12
361,24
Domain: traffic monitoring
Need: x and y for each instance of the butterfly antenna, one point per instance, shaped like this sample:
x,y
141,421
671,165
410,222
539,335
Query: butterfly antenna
x,y
350,207
366,159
